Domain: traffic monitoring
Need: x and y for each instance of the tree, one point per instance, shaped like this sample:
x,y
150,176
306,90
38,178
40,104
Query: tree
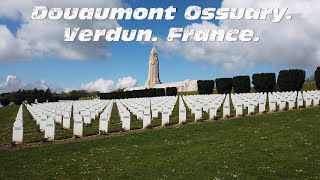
x,y
4,101
205,86
264,82
47,94
18,97
224,85
291,80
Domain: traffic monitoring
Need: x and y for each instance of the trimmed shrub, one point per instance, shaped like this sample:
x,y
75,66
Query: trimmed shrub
x,y
160,92
264,82
205,86
241,84
317,77
291,80
133,94
224,85
4,101
171,91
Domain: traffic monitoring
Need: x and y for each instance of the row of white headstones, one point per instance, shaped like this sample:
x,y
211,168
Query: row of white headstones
x,y
47,115
250,101
145,109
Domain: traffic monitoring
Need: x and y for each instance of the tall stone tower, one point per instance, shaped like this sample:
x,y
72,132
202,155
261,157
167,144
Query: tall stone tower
x,y
153,75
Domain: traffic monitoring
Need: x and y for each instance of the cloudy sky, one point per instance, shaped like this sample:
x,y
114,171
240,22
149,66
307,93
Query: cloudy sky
x,y
33,54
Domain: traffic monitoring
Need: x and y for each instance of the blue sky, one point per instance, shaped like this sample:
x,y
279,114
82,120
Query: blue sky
x,y
130,59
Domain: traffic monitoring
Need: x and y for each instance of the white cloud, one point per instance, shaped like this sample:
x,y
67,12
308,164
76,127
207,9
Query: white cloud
x,y
100,85
13,83
126,82
293,43
104,86
11,47
46,37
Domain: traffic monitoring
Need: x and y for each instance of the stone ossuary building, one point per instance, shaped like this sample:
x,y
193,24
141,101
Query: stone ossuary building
x,y
154,78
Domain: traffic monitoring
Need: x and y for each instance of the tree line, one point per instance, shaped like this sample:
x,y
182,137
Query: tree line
x,y
30,96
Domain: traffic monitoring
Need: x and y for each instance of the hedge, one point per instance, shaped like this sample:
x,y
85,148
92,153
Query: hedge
x,y
205,86
171,91
264,82
317,77
160,92
133,94
291,80
241,84
224,85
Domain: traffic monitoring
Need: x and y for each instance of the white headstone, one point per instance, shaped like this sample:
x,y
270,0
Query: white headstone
x,y
291,103
193,108
198,113
97,111
103,123
140,113
239,109
87,117
43,122
206,107
212,112
300,101
78,126
282,104
66,120
262,107
126,120
49,130
316,101
272,106
165,117
182,115
59,117
226,110
146,119
17,133
308,102
250,108
93,113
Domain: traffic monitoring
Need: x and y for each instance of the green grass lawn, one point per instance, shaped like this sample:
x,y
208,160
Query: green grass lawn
x,y
7,117
282,145
32,133
86,98
308,86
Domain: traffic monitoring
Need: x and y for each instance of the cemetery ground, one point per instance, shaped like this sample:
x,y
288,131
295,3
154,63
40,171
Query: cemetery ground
x,y
269,146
